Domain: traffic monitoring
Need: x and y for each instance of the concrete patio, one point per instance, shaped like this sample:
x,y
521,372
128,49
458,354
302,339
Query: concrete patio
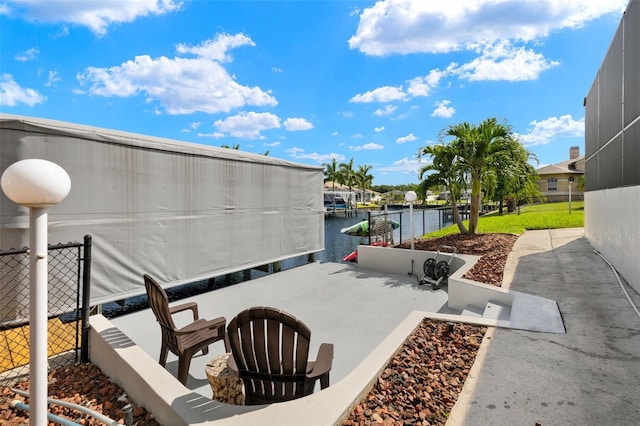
x,y
366,313
353,309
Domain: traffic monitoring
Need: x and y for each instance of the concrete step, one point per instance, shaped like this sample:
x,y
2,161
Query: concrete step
x,y
497,311
472,311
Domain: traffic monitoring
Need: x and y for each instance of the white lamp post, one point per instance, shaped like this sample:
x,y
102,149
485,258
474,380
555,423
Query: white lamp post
x,y
570,182
37,184
411,196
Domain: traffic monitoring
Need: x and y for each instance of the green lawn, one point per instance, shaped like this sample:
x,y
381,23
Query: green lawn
x,y
535,216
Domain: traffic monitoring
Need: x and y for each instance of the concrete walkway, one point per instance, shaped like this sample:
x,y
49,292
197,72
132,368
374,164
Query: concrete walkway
x,y
588,376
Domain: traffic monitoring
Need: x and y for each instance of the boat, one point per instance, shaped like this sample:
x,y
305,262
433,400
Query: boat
x,y
334,202
379,225
353,256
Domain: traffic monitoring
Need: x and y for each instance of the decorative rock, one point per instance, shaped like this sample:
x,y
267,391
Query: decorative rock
x,y
225,385
423,380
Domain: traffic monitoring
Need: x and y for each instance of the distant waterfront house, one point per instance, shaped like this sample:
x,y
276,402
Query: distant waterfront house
x,y
351,195
555,178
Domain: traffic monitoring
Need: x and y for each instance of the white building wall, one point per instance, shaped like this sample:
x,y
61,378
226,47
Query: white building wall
x,y
612,226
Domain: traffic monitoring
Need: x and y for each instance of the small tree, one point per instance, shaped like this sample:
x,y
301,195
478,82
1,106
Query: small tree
x,y
511,177
364,180
331,172
474,146
445,171
347,176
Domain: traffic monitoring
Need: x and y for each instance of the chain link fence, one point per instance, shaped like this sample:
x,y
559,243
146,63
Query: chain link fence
x,y
68,308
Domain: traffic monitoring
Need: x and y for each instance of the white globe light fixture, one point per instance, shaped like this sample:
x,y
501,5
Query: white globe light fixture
x,y
37,184
411,197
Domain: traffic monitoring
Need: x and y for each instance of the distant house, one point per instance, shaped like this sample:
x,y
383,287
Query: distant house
x,y
351,195
556,179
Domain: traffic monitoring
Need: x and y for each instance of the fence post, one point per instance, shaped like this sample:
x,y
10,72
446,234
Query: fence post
x,y
86,299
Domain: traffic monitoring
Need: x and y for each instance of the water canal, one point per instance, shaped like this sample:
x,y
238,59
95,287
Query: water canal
x,y
338,245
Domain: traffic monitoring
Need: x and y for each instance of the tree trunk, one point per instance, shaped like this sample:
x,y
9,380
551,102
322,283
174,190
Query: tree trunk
x,y
456,216
476,186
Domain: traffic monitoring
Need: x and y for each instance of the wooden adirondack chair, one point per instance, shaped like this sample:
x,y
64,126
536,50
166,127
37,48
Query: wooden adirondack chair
x,y
270,351
184,342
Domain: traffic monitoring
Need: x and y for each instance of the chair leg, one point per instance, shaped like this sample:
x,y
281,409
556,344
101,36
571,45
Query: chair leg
x,y
183,368
324,381
163,354
205,350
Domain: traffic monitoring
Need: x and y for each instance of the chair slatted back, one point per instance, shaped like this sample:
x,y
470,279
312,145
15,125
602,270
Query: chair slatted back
x,y
159,302
271,350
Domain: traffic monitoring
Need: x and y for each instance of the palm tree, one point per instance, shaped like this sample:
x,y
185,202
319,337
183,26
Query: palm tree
x,y
347,176
475,146
235,146
331,172
446,172
512,177
364,179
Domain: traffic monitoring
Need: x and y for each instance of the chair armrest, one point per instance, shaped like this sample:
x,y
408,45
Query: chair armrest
x,y
323,362
217,323
183,307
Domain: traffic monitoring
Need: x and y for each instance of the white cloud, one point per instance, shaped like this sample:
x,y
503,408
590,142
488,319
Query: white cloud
x,y
381,94
247,124
502,61
27,55
299,154
378,129
404,139
438,26
53,79
276,70
357,136
346,114
194,125
216,49
297,124
181,85
404,165
294,151
272,144
367,147
387,110
95,15
62,32
372,146
423,86
547,130
443,109
11,94
498,31
214,135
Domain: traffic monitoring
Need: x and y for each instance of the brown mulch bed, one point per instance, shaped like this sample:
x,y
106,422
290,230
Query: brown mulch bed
x,y
418,387
82,384
421,383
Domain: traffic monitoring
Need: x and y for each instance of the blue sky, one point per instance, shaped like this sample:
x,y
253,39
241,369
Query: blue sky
x,y
310,80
